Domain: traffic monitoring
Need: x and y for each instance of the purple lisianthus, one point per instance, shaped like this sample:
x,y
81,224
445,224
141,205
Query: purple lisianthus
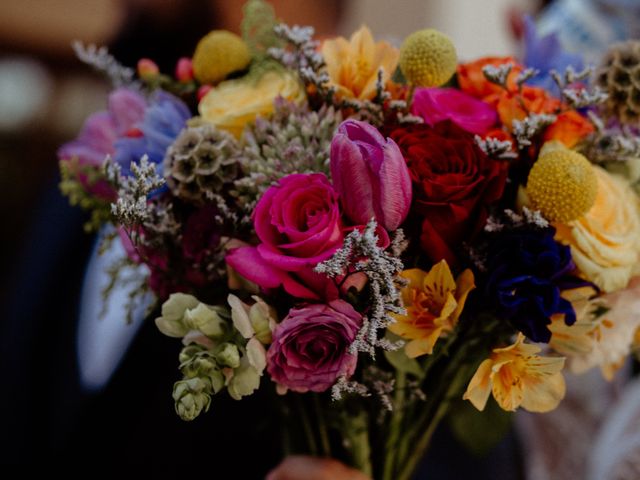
x,y
435,105
545,53
126,108
164,118
526,274
310,348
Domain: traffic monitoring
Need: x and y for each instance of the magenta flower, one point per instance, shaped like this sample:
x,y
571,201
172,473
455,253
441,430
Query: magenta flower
x,y
310,348
370,175
298,224
97,138
437,104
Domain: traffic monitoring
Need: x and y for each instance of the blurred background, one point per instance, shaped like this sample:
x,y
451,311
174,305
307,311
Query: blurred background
x,y
46,93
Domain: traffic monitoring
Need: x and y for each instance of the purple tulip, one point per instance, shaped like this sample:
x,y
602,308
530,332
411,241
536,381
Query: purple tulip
x,y
370,175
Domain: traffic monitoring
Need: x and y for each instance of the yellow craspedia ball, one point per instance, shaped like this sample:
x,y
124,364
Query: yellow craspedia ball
x,y
427,58
563,185
218,54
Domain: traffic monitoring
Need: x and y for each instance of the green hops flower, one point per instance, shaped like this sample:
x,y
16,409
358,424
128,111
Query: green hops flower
x,y
218,54
183,313
228,355
191,397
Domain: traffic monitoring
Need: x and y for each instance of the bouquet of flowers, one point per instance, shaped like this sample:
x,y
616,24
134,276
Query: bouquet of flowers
x,y
379,237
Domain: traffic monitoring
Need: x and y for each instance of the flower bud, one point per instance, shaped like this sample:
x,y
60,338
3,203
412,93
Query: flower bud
x,y
147,68
191,397
184,70
205,319
228,355
370,174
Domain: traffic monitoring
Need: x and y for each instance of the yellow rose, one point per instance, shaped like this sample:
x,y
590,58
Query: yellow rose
x,y
605,243
235,103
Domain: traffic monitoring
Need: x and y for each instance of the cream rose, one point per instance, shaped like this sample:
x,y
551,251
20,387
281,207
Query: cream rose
x,y
605,243
233,104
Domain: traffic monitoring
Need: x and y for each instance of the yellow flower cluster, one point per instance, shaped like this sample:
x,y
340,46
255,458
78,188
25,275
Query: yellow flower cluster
x,y
218,54
562,185
428,58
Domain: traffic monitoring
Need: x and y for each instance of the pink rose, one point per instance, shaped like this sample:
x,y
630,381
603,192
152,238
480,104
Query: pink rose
x,y
298,224
310,348
437,104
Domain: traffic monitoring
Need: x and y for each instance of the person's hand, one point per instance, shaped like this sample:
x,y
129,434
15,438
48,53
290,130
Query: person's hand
x,y
301,467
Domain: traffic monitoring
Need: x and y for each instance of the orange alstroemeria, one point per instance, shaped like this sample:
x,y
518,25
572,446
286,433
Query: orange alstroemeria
x,y
353,64
518,377
434,302
569,128
471,79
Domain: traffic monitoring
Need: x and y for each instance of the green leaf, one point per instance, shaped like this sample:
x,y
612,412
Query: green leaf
x,y
479,432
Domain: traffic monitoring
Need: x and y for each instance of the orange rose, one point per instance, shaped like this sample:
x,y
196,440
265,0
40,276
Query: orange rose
x,y
472,80
569,128
515,106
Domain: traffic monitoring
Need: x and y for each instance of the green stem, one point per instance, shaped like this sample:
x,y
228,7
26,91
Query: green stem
x,y
322,426
395,426
306,426
356,434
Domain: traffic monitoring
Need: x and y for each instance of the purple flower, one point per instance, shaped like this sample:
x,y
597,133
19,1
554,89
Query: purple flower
x,y
100,132
545,53
310,348
527,272
164,118
370,175
437,104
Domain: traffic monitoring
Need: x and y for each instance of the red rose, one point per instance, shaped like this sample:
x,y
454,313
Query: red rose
x,y
453,183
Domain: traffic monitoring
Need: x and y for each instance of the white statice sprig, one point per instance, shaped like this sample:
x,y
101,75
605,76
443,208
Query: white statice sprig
x,y
498,74
496,148
102,61
525,130
362,254
578,96
131,207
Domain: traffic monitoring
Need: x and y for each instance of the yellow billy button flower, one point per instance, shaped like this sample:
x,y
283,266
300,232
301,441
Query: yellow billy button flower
x,y
562,184
353,64
518,377
428,58
218,54
434,302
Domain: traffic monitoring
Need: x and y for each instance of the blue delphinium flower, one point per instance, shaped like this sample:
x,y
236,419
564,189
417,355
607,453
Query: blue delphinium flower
x,y
164,118
526,273
545,53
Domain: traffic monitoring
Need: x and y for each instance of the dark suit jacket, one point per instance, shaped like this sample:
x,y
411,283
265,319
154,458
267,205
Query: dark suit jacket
x,y
45,414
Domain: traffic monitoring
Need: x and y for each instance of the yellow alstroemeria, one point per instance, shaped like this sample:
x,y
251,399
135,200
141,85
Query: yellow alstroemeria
x,y
353,64
518,377
434,302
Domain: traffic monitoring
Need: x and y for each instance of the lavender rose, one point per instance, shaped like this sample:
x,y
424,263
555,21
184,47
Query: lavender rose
x,y
310,348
